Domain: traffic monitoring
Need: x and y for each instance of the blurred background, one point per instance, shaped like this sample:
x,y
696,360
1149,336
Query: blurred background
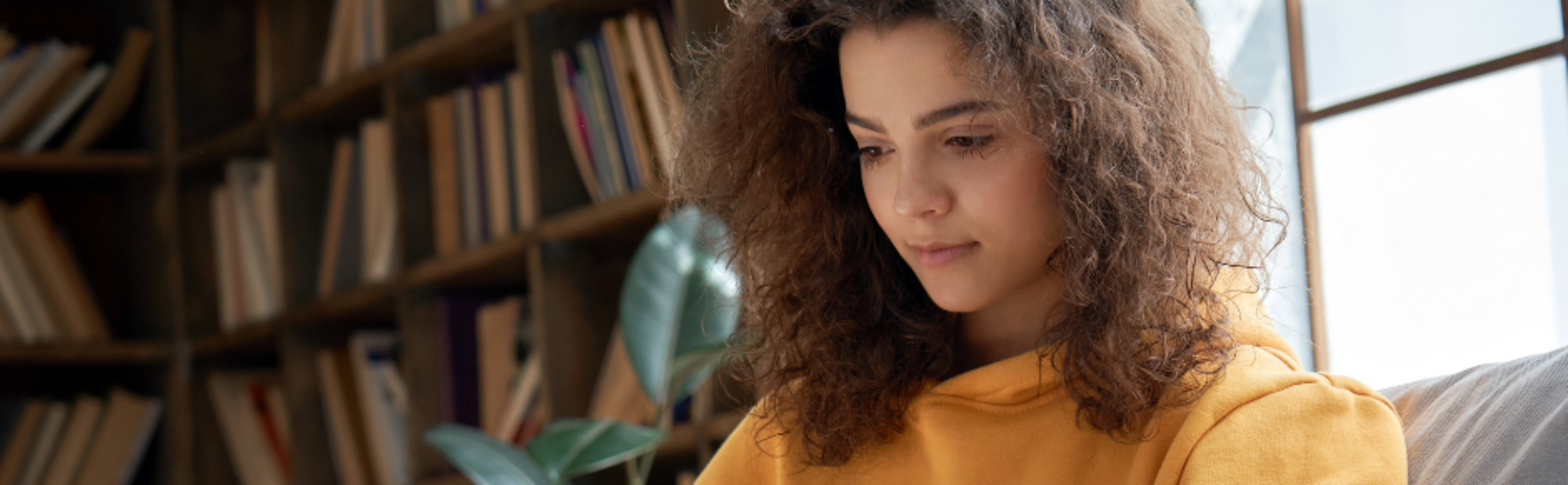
x,y
275,241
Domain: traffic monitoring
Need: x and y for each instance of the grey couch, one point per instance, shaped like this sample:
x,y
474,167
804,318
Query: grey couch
x,y
1503,423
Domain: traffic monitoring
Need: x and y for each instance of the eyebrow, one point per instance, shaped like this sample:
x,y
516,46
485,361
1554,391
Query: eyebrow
x,y
934,117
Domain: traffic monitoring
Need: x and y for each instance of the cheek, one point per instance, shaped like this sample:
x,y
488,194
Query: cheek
x,y
1016,197
880,190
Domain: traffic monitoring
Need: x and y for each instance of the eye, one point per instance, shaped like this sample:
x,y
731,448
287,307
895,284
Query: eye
x,y
870,155
967,145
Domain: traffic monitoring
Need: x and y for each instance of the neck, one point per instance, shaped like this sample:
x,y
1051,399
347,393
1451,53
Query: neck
x,y
1008,327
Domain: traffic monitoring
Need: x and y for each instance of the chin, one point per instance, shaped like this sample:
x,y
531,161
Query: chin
x,y
954,300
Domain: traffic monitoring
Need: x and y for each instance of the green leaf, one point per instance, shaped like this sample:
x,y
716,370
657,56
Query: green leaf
x,y
571,447
694,366
485,460
679,296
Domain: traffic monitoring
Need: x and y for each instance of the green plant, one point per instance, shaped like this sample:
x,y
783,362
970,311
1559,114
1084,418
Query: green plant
x,y
678,306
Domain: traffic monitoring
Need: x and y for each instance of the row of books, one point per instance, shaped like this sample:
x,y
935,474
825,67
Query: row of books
x,y
44,85
481,168
617,97
485,384
358,38
254,421
248,245
367,410
451,14
360,243
88,441
44,298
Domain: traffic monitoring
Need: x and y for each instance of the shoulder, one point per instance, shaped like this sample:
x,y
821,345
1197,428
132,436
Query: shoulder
x,y
1266,419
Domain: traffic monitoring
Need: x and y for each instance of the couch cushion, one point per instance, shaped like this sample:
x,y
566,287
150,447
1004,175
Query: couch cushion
x,y
1495,423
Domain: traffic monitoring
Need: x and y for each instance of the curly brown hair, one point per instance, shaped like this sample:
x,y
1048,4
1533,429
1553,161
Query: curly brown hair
x,y
1158,185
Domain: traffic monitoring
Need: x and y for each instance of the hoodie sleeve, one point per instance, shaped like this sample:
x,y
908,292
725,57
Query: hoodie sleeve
x,y
1329,429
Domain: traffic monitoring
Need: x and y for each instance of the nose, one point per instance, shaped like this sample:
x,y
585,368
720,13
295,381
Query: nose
x,y
922,192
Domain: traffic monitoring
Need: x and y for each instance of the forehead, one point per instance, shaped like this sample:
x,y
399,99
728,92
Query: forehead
x,y
905,69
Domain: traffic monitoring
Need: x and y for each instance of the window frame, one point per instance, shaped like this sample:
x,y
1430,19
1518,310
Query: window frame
x,y
1305,117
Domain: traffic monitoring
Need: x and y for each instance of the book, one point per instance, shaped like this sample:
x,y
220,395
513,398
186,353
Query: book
x,y
385,405
19,290
601,127
122,439
492,140
380,208
118,93
78,432
459,320
55,62
73,100
496,328
43,446
521,150
17,66
633,124
19,443
469,168
346,426
260,293
618,118
649,93
62,279
264,398
523,396
338,238
230,316
445,207
332,63
572,123
241,428
618,394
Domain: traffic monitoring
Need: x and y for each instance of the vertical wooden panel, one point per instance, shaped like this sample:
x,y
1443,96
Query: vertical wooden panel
x,y
216,67
1309,212
310,452
408,21
404,97
299,44
303,155
417,315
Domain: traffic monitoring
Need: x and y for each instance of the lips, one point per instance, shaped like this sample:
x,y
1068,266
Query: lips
x,y
936,255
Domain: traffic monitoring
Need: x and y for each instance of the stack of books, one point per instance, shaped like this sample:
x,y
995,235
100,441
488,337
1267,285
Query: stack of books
x,y
451,14
85,442
254,421
485,384
617,98
248,245
358,38
43,297
45,85
367,410
360,243
481,163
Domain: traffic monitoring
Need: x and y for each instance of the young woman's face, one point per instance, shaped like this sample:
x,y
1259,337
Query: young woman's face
x,y
956,183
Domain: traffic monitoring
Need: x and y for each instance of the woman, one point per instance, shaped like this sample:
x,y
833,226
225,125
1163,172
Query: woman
x,y
1003,241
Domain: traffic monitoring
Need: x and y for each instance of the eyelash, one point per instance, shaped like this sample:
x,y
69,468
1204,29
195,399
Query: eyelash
x,y
970,146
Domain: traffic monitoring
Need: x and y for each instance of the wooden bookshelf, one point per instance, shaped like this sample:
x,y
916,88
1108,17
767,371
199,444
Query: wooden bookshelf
x,y
144,233
76,162
116,353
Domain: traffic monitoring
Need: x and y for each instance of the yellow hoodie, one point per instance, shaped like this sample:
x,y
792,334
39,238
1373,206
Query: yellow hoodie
x,y
1267,421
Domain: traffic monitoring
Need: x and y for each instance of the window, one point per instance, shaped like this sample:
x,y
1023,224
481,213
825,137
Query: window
x,y
1433,161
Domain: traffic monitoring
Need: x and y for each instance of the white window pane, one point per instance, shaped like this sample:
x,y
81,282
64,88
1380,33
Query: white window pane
x,y
1250,48
1358,47
1437,215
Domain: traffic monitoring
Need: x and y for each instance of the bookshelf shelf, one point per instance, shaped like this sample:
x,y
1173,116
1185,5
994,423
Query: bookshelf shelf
x,y
118,353
76,162
250,135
